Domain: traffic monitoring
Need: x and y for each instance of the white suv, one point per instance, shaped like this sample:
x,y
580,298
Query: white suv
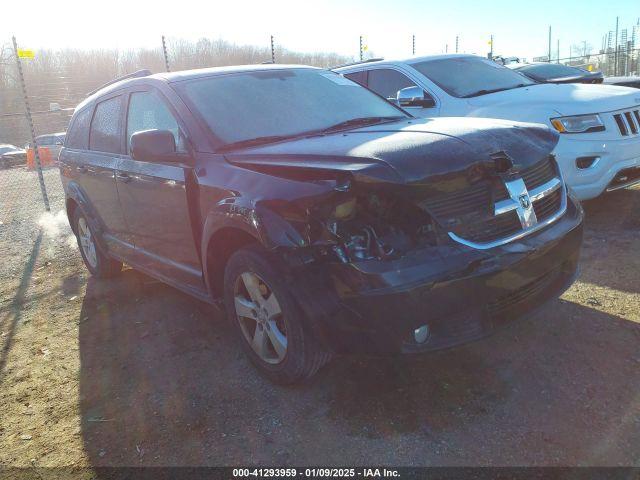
x,y
599,125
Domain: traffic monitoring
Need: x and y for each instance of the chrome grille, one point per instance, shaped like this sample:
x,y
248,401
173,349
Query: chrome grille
x,y
628,122
486,215
533,177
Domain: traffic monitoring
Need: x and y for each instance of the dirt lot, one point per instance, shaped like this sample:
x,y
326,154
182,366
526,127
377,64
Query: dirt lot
x,y
131,372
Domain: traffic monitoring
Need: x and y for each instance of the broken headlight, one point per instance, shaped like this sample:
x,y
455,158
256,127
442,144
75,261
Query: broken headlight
x,y
378,226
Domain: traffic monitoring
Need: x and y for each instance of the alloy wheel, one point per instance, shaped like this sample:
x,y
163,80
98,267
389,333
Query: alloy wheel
x,y
260,317
87,243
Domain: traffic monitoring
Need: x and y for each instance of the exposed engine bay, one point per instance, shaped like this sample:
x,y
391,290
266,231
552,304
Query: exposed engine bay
x,y
377,226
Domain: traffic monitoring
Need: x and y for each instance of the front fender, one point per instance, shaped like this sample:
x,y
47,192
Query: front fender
x,y
267,227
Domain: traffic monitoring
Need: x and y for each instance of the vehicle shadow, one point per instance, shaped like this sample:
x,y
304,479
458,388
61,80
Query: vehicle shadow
x,y
164,382
612,240
10,320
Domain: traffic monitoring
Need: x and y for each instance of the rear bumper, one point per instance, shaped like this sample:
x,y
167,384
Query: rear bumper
x,y
462,294
613,156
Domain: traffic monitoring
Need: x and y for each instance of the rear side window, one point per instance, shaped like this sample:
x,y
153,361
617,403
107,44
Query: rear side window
x,y
386,82
106,126
78,135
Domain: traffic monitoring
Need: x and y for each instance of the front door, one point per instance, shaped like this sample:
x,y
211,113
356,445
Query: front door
x,y
154,197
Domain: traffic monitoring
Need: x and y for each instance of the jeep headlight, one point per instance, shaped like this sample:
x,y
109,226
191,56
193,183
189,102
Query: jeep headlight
x,y
578,124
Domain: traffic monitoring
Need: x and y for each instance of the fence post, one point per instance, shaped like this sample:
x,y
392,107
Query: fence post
x,y
166,55
43,187
273,51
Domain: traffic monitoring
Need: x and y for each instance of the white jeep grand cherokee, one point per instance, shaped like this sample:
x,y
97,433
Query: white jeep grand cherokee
x,y
599,146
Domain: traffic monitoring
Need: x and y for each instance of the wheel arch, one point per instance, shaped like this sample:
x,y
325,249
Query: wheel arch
x,y
219,247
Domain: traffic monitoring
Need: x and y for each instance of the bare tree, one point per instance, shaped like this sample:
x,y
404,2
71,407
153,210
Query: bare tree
x,y
57,80
581,49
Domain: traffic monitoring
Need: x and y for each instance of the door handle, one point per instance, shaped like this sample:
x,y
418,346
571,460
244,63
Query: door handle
x,y
123,177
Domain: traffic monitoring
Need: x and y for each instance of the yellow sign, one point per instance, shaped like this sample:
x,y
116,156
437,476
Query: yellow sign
x,y
26,54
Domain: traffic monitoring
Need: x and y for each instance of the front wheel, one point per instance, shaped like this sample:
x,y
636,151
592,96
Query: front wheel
x,y
97,262
268,320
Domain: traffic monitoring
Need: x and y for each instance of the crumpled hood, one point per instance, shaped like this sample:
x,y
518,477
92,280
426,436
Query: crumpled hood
x,y
444,153
566,99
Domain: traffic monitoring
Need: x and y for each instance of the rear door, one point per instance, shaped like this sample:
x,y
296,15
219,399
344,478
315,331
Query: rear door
x,y
94,166
154,196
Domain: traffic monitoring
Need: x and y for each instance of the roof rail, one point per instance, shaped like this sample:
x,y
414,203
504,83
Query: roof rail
x,y
140,73
358,63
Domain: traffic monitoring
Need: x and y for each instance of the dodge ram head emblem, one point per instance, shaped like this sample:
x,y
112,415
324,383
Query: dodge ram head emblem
x,y
525,201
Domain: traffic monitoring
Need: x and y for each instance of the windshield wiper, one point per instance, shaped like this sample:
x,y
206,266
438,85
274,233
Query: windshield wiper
x,y
494,90
359,122
253,142
354,122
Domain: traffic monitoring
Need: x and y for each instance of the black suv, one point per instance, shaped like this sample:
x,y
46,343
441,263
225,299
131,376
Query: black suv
x,y
324,218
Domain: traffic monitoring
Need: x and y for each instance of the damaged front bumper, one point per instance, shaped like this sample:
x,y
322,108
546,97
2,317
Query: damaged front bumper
x,y
460,293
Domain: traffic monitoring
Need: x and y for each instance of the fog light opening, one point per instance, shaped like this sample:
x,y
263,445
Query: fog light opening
x,y
421,334
586,162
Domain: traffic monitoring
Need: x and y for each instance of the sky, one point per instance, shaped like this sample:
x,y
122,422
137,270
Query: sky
x,y
519,28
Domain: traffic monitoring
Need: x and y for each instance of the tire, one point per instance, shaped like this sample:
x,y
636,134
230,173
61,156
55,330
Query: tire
x,y
97,262
252,282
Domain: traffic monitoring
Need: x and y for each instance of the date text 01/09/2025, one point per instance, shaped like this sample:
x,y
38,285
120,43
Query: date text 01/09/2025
x,y
315,472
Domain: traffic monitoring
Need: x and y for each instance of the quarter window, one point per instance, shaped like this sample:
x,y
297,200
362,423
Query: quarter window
x,y
148,111
358,77
106,126
386,82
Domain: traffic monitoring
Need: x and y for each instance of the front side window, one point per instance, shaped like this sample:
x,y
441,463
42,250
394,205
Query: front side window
x,y
465,77
148,111
106,126
274,103
386,82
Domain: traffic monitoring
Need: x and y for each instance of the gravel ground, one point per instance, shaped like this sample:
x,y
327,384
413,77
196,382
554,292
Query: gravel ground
x,y
130,372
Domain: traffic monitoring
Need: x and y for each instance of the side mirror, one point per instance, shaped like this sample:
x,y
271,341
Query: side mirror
x,y
414,97
155,146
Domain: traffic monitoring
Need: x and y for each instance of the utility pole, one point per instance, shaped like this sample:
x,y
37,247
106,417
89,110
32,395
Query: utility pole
x,y
413,43
491,51
457,43
361,49
558,61
273,51
616,54
549,43
166,55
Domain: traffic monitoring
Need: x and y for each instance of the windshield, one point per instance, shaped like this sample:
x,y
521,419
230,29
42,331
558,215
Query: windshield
x,y
280,103
550,70
470,76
